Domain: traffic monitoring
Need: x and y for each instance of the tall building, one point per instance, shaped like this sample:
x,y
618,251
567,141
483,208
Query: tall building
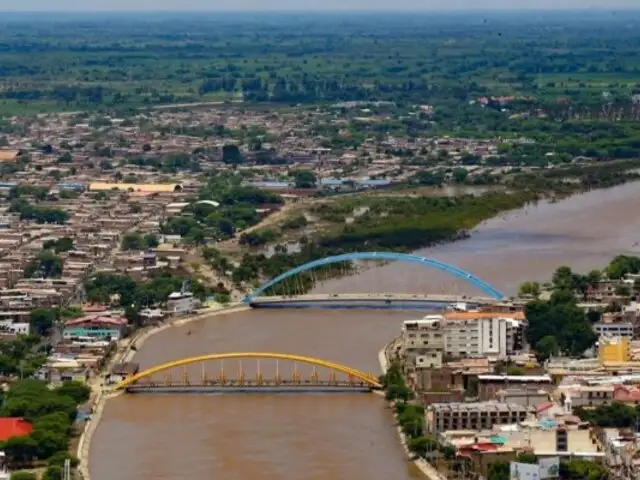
x,y
441,417
460,334
614,350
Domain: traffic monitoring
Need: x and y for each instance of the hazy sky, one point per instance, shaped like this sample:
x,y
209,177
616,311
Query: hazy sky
x,y
253,5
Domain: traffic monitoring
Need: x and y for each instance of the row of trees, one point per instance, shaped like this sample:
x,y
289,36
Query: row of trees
x,y
136,241
37,213
558,325
105,287
409,416
51,412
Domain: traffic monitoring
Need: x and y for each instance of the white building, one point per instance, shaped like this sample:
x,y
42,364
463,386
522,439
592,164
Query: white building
x,y
614,329
180,303
425,341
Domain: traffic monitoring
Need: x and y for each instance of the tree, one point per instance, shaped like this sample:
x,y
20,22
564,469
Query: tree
x,y
547,347
151,240
422,445
21,449
54,472
459,175
622,290
529,289
304,179
63,244
24,476
78,391
515,371
622,265
46,264
42,320
132,241
231,154
498,471
563,278
65,158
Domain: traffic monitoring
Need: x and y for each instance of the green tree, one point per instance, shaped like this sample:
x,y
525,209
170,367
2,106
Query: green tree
x,y
46,264
622,265
547,347
459,175
423,445
54,472
21,449
65,158
304,179
498,471
77,390
622,290
24,476
42,320
529,288
563,279
63,244
132,241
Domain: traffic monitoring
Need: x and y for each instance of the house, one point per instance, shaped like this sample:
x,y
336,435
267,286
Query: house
x,y
95,327
14,427
121,371
180,303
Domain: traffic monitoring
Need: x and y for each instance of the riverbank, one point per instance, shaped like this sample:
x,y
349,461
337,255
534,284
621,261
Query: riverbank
x,y
125,353
425,468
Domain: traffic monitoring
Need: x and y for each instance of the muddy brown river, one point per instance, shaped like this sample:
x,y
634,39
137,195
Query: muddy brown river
x,y
350,436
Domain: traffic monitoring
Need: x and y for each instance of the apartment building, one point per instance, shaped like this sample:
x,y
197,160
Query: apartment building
x,y
461,334
490,385
494,334
441,417
614,329
423,342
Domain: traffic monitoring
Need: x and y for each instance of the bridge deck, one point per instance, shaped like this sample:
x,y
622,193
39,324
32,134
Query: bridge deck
x,y
246,388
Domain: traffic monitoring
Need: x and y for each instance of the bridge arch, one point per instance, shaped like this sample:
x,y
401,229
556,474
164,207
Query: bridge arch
x,y
366,378
385,256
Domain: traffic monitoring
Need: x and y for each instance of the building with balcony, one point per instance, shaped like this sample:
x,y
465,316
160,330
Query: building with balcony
x,y
441,417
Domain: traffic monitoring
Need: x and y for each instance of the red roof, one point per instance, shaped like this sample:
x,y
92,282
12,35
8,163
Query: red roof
x,y
14,427
544,406
623,394
97,320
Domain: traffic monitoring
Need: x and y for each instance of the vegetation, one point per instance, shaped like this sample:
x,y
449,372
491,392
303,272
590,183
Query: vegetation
x,y
63,244
51,412
39,214
124,291
135,241
235,210
46,264
615,415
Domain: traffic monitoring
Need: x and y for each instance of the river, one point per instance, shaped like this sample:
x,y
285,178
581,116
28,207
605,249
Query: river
x,y
332,436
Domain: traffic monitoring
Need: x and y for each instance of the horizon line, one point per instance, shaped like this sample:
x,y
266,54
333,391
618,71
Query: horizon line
x,y
589,8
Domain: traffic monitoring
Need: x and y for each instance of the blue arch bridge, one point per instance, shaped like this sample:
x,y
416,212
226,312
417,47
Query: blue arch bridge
x,y
302,285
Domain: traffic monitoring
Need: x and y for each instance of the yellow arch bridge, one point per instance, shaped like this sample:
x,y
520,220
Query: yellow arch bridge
x,y
300,374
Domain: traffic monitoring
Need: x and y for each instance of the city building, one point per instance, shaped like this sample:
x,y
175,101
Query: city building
x,y
122,371
614,329
96,328
546,439
180,303
441,417
493,334
614,349
490,385
460,334
423,342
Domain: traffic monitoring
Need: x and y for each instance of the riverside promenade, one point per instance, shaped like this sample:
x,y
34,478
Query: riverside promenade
x,y
425,467
100,393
